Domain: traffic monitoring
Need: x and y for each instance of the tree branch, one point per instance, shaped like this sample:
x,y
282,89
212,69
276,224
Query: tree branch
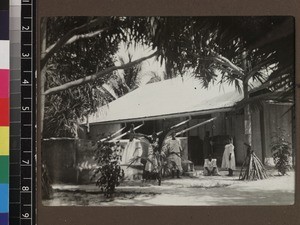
x,y
269,82
229,64
257,68
225,62
82,36
268,96
93,77
62,41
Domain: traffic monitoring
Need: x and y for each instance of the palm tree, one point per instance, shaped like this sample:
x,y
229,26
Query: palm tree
x,y
271,65
130,74
198,44
131,78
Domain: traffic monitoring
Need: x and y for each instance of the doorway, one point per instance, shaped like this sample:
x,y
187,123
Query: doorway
x,y
196,150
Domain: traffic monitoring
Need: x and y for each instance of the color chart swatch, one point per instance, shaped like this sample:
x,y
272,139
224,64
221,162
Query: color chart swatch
x,y
4,111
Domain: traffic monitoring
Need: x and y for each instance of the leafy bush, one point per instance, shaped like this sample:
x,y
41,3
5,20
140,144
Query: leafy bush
x,y
108,174
281,151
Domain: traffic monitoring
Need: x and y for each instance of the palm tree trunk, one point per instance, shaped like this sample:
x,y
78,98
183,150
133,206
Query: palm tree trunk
x,y
169,71
247,113
252,168
247,119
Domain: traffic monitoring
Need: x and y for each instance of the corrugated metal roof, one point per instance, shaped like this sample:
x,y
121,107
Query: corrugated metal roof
x,y
168,98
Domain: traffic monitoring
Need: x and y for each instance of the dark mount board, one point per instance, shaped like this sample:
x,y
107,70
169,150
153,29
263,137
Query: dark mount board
x,y
246,215
4,5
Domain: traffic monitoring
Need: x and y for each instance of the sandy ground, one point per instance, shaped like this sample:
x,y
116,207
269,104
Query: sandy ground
x,y
199,190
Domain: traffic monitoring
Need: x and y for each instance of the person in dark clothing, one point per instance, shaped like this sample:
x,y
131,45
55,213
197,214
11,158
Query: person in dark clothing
x,y
207,148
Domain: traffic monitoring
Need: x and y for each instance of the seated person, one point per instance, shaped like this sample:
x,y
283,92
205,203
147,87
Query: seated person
x,y
210,167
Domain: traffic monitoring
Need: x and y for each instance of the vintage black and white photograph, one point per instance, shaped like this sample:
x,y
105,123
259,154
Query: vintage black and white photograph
x,y
167,111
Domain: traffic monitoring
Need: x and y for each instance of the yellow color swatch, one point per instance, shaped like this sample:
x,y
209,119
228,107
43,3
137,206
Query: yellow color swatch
x,y
4,140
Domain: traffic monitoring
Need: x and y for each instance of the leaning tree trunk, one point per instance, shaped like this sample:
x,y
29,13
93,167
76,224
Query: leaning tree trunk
x,y
45,180
252,168
42,74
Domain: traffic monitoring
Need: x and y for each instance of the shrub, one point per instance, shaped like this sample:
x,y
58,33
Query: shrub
x,y
281,151
108,174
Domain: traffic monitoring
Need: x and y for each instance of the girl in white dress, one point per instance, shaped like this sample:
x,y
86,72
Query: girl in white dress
x,y
228,161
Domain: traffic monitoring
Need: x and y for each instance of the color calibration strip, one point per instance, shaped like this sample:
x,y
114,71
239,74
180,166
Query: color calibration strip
x,y
4,111
22,150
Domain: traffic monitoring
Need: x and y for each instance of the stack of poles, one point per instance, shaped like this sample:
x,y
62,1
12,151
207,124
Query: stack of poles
x,y
253,169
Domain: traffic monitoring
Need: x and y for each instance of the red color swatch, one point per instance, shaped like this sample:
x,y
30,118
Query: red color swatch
x,y
4,83
4,111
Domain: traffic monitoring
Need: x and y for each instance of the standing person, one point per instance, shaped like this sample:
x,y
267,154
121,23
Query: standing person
x,y
132,150
174,159
207,149
151,167
118,151
228,160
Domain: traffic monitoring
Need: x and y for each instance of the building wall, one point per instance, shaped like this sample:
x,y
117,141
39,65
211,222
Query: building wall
x,y
226,124
220,128
237,132
103,130
68,160
256,134
264,125
276,116
236,122
219,125
233,125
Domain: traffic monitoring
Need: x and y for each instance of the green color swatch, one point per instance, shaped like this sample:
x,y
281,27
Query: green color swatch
x,y
4,165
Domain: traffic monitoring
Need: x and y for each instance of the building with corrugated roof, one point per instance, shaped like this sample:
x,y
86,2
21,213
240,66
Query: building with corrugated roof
x,y
169,102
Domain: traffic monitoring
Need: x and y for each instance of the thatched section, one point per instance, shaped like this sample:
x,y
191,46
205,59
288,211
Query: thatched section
x,y
252,168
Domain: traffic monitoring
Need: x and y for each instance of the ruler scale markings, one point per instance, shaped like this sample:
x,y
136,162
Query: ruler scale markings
x,y
26,106
21,27
5,67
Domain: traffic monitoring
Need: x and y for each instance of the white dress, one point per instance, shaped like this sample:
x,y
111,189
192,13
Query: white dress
x,y
132,150
226,163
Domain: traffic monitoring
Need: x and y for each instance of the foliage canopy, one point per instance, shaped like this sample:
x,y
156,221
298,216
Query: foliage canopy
x,y
81,52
